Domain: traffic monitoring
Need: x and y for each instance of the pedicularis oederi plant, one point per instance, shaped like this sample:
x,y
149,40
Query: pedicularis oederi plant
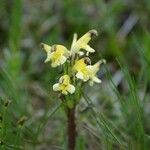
x,y
77,70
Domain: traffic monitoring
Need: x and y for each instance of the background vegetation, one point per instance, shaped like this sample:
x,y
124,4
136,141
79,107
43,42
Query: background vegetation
x,y
112,115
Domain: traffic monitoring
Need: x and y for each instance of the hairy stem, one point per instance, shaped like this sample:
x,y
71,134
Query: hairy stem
x,y
71,128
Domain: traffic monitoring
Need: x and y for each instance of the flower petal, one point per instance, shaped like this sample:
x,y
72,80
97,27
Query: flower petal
x,y
86,78
56,87
62,60
71,89
64,92
74,40
54,64
48,57
46,47
97,80
79,75
80,53
89,49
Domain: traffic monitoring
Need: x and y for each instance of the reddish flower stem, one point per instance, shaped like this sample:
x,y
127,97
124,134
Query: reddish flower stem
x,y
71,129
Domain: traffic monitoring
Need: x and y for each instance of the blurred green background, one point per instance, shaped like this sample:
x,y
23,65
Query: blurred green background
x,y
112,115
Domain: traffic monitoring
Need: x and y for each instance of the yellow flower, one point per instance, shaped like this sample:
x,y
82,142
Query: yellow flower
x,y
82,43
57,54
64,85
80,68
92,70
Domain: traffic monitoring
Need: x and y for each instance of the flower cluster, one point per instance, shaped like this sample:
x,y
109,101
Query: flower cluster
x,y
76,63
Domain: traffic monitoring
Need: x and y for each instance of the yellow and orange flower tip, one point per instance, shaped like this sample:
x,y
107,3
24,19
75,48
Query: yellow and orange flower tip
x,y
64,85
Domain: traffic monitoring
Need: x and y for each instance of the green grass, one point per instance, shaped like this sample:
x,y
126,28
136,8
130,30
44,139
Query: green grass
x,y
113,115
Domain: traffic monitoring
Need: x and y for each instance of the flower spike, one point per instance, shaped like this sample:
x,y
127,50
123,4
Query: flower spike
x,y
76,65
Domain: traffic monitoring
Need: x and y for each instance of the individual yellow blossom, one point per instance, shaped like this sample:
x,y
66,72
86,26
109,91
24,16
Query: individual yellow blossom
x,y
92,70
64,85
82,43
57,54
80,68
